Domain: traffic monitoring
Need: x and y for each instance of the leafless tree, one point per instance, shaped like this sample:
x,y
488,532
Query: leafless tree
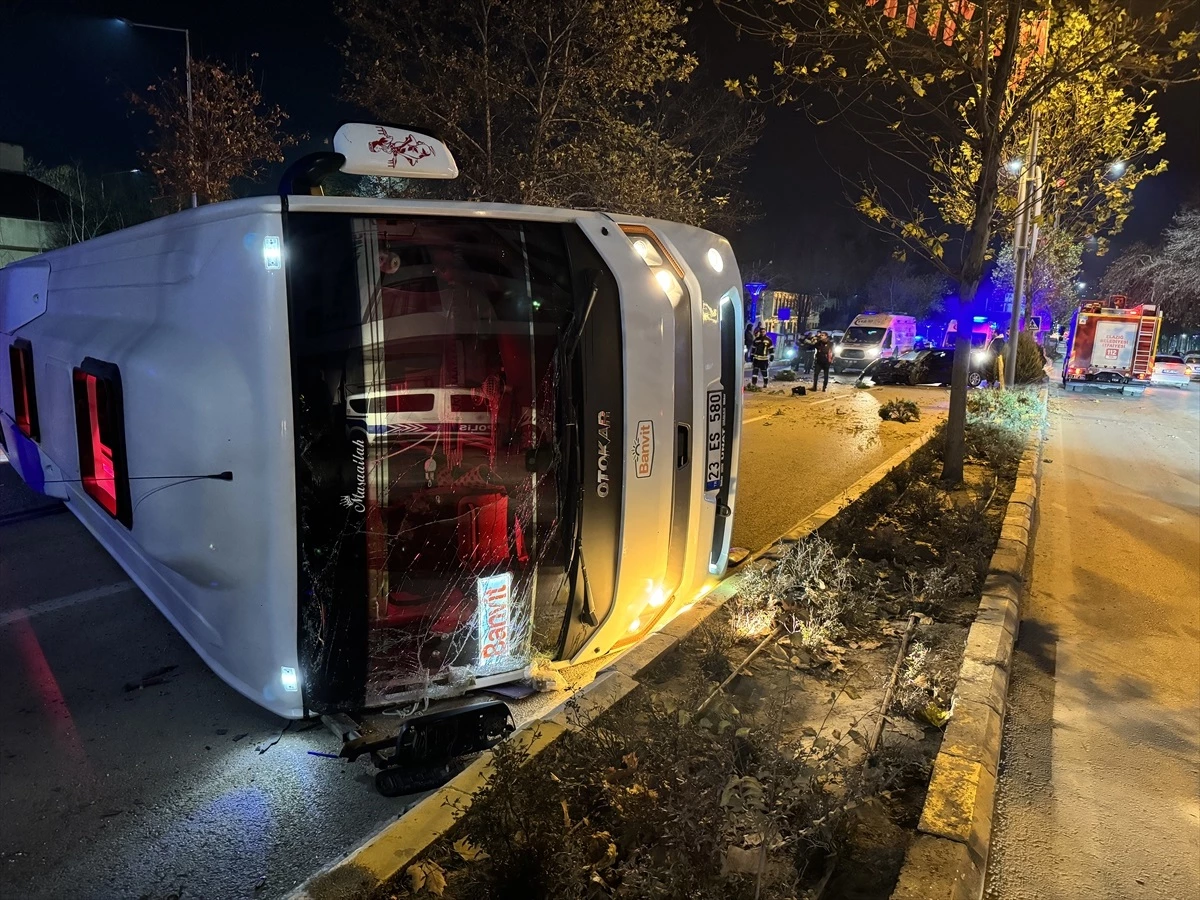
x,y
232,133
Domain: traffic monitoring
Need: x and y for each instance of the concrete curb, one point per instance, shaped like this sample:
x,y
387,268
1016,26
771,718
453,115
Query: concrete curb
x,y
387,853
949,858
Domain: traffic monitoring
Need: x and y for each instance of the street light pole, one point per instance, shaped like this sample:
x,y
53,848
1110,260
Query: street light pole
x,y
187,49
1027,200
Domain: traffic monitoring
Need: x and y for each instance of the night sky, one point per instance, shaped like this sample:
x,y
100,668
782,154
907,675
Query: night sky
x,y
65,67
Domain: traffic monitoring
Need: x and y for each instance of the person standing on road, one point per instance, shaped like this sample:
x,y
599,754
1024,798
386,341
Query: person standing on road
x,y
808,350
762,351
822,360
996,349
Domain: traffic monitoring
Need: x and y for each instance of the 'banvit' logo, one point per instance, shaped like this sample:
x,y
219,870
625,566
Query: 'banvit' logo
x,y
643,449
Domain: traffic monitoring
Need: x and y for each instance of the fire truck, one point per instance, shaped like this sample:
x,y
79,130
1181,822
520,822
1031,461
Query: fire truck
x,y
1112,345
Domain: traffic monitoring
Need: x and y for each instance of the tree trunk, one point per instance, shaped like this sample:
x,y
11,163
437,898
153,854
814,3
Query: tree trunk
x,y
956,423
972,274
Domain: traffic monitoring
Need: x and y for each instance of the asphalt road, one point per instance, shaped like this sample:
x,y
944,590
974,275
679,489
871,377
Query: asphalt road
x,y
116,785
1099,788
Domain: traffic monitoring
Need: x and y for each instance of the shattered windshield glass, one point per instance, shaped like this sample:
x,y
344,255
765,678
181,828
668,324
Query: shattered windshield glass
x,y
430,397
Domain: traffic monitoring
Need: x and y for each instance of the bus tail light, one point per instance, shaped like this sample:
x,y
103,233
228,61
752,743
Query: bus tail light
x,y
100,428
20,357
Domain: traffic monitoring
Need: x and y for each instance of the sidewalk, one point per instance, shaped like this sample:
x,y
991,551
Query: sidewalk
x,y
1099,786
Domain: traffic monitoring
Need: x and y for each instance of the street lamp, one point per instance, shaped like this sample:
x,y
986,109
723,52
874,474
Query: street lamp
x,y
187,49
1117,168
1014,166
1080,285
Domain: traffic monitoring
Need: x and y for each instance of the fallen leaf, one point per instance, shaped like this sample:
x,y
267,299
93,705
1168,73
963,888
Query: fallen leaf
x,y
935,715
469,851
427,875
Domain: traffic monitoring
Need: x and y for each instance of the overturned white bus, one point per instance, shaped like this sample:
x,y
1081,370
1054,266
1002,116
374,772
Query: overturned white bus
x,y
364,451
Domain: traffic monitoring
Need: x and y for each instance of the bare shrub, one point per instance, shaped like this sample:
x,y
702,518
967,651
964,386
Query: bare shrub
x,y
929,675
714,638
900,411
823,597
753,611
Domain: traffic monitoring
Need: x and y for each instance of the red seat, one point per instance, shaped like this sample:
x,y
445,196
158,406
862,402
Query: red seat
x,y
483,530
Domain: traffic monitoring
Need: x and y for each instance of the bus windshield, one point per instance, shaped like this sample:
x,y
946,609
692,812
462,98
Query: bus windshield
x,y
430,380
861,334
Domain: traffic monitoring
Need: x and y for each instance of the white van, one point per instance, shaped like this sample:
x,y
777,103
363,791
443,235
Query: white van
x,y
415,415
874,336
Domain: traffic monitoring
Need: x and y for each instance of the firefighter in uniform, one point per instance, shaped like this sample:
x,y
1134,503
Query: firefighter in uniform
x,y
762,351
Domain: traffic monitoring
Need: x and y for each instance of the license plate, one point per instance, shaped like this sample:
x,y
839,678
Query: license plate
x,y
495,595
715,414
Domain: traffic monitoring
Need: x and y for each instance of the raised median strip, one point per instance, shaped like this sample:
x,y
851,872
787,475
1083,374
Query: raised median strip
x,y
949,858
383,856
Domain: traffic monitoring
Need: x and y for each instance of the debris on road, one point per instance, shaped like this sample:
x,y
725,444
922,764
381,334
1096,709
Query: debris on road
x,y
151,679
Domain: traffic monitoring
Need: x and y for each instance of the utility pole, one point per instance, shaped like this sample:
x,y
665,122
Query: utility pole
x,y
1028,207
187,51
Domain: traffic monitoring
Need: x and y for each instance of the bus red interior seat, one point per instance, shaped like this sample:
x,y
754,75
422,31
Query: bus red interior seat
x,y
483,529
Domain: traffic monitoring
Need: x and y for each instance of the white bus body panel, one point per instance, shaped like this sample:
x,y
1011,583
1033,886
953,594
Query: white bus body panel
x,y
178,302
714,297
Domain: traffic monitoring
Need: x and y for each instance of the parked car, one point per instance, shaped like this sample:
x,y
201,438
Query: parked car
x,y
926,367
1193,360
1171,370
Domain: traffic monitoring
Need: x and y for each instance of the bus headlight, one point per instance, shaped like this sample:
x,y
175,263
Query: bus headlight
x,y
667,272
647,252
670,285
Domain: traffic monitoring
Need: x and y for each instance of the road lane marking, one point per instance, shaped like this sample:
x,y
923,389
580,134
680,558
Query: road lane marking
x,y
37,609
809,403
